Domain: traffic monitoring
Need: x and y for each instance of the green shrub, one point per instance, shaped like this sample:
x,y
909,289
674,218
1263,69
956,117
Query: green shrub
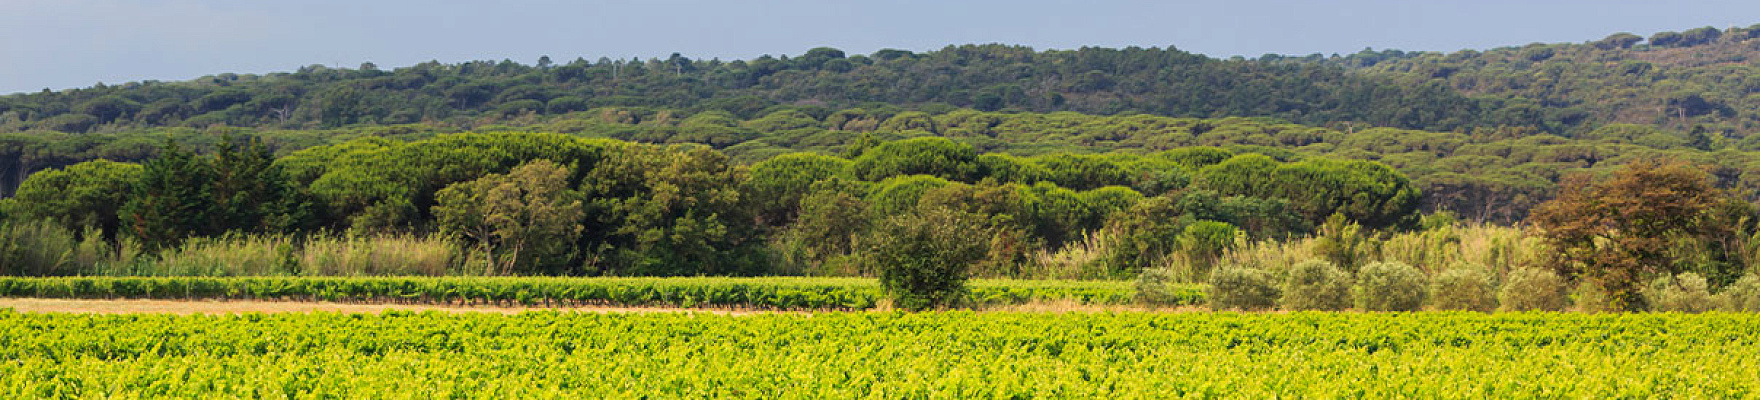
x,y
1240,288
1316,285
1687,293
1530,289
1159,286
1391,286
924,257
1743,295
1203,242
1464,287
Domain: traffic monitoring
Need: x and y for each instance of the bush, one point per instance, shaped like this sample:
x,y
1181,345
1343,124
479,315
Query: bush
x,y
1203,242
1530,289
1742,296
1687,293
1159,286
1316,285
1465,287
924,257
1391,286
1239,288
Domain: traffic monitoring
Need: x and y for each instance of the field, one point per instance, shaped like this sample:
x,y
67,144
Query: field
x,y
880,355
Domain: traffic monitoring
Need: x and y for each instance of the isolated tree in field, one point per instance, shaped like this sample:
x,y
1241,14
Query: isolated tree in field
x,y
1618,232
924,256
527,217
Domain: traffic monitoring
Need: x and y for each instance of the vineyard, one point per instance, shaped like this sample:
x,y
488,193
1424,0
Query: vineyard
x,y
1001,221
762,293
880,355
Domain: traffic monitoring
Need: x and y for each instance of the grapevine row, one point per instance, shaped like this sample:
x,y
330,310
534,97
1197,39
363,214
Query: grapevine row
x,y
771,292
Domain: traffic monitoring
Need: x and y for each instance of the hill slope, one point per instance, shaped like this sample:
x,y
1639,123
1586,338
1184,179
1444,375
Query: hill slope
x,y
986,77
1702,78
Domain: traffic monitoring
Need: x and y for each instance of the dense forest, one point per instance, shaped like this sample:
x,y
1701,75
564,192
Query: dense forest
x,y
554,203
1484,175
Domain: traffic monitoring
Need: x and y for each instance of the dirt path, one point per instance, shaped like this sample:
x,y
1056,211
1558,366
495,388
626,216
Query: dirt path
x,y
132,306
37,305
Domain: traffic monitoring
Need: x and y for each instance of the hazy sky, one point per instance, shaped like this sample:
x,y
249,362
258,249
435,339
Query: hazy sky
x,y
72,43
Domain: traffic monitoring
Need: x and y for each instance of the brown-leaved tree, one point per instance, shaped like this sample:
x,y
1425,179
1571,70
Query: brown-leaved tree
x,y
1618,232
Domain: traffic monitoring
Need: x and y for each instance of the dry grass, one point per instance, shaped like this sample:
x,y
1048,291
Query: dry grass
x,y
1068,306
229,256
377,255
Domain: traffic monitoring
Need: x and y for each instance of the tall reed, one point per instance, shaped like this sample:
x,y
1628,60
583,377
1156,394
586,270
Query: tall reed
x,y
273,255
231,255
1500,248
401,254
1084,259
36,248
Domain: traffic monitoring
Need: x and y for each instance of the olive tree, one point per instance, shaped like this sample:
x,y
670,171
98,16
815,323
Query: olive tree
x,y
527,217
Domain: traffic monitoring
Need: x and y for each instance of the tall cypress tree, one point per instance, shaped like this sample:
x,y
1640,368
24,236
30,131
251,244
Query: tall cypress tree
x,y
172,200
250,192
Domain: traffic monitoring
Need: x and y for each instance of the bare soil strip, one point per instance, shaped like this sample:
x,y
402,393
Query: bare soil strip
x,y
145,306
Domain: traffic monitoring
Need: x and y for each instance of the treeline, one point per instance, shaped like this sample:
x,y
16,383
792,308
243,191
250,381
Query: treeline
x,y
540,203
1159,81
1494,175
1702,78
1682,80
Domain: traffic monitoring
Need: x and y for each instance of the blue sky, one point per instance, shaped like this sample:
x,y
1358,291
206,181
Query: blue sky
x,y
74,43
